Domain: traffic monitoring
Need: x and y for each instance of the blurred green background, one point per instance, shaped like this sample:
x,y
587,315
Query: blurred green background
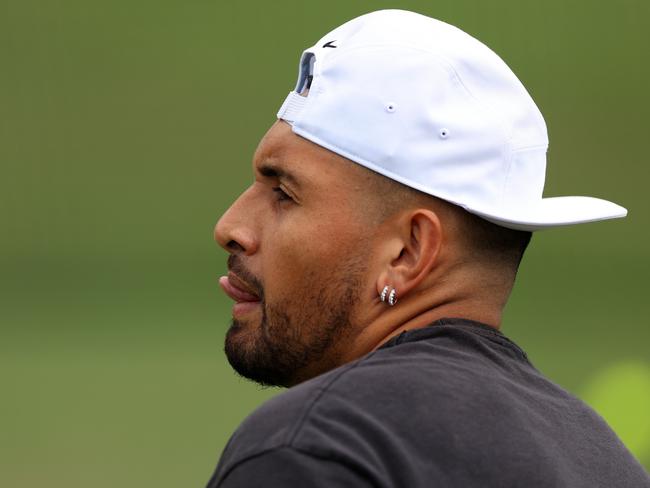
x,y
127,127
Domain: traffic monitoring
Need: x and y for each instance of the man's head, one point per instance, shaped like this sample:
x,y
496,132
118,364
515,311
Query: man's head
x,y
408,156
315,239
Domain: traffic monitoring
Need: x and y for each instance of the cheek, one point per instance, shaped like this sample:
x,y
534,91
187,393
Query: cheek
x,y
303,254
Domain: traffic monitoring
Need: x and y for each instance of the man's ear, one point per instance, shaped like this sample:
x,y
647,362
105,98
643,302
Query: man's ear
x,y
412,251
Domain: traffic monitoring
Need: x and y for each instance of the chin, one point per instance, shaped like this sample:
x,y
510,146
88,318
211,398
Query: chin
x,y
253,358
288,344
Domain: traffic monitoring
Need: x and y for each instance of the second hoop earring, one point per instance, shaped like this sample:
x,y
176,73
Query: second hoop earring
x,y
392,297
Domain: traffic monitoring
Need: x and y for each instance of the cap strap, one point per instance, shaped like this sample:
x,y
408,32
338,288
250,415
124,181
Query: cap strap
x,y
292,106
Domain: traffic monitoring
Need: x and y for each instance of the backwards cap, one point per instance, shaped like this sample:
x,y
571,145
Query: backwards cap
x,y
425,104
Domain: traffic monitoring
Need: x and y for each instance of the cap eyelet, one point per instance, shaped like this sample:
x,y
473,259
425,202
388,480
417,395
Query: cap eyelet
x,y
444,133
391,107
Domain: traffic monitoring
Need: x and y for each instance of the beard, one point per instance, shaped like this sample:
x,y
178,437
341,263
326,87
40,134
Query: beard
x,y
297,338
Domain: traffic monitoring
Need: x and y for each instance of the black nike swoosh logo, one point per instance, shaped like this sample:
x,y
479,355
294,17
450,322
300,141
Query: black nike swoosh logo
x,y
330,44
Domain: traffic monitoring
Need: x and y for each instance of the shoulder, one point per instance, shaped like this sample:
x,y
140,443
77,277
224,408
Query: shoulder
x,y
381,384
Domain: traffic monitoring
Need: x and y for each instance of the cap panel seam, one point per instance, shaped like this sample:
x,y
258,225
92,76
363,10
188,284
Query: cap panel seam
x,y
530,148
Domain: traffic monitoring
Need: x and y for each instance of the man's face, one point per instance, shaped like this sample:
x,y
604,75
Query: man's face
x,y
299,240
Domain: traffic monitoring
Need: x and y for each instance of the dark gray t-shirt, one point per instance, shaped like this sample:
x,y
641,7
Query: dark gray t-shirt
x,y
455,404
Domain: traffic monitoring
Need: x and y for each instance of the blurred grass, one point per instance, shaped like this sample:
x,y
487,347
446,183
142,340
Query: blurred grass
x,y
126,128
115,376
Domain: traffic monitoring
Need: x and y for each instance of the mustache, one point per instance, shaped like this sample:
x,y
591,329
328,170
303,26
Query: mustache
x,y
236,266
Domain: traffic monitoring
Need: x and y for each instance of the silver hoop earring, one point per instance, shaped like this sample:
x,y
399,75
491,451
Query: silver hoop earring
x,y
383,294
392,298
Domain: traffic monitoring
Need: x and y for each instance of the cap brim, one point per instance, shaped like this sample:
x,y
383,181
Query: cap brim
x,y
555,212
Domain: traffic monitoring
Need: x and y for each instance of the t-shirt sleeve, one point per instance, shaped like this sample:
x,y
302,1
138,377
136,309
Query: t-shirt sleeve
x,y
288,467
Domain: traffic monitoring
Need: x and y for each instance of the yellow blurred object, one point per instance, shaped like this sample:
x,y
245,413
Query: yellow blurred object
x,y
621,394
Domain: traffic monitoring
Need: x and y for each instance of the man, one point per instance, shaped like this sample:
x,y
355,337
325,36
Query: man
x,y
370,262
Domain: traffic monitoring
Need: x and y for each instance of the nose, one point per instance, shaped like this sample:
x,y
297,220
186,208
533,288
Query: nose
x,y
235,231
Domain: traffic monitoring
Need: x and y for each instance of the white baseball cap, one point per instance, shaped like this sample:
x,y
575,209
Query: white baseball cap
x,y
423,103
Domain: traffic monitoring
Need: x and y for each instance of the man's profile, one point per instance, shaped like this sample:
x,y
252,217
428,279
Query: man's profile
x,y
370,262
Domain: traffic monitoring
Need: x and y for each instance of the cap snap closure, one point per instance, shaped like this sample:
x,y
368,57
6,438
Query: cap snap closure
x,y
444,133
391,107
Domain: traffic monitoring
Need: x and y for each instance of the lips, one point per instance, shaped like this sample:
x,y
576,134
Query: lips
x,y
237,289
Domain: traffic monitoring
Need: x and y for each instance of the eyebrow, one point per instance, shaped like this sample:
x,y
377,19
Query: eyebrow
x,y
272,171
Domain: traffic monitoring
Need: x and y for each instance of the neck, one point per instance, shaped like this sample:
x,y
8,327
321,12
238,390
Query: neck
x,y
464,310
423,307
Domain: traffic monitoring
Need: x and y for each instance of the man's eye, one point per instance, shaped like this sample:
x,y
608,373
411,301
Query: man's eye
x,y
280,195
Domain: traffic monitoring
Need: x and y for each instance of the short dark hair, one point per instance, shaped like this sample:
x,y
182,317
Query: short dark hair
x,y
494,242
486,242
